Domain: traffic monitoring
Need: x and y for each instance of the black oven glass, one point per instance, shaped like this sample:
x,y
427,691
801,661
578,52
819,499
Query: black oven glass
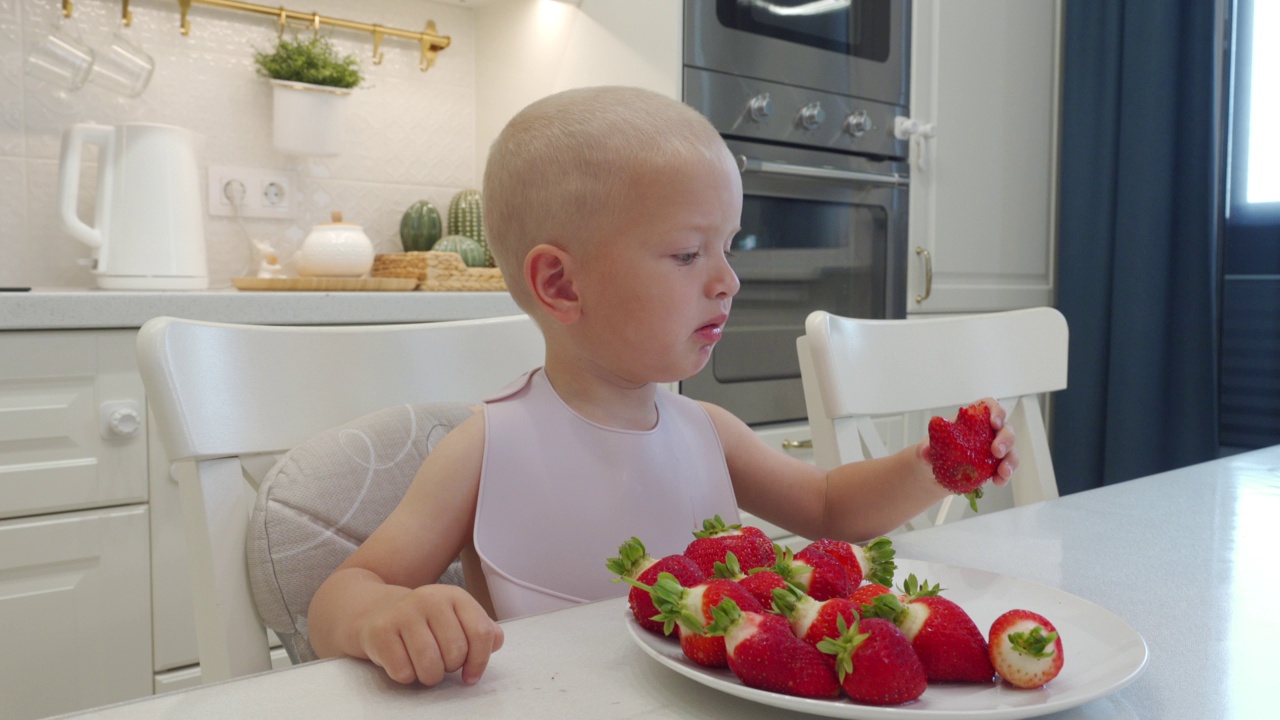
x,y
852,27
791,257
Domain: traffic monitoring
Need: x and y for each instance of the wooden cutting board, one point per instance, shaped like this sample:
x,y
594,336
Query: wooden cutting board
x,y
325,284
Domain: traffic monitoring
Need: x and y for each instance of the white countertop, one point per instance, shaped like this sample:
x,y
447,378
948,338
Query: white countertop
x,y
78,308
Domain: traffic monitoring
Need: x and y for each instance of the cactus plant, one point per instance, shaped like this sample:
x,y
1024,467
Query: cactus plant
x,y
420,227
472,252
466,218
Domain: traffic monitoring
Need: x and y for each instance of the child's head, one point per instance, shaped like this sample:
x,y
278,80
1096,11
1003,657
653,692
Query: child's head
x,y
563,168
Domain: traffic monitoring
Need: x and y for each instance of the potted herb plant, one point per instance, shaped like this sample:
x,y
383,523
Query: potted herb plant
x,y
310,82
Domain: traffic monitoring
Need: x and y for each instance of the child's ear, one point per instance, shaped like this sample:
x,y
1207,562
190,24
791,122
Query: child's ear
x,y
549,271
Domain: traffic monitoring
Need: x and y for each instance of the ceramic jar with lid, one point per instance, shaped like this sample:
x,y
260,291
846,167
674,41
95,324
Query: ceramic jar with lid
x,y
335,249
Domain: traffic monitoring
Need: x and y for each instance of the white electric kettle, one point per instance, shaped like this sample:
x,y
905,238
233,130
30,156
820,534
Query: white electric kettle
x,y
148,228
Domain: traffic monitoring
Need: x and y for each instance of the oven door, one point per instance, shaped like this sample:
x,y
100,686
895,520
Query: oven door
x,y
820,231
851,47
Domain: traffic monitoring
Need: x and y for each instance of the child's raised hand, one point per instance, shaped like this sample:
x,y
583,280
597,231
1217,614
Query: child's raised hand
x,y
429,631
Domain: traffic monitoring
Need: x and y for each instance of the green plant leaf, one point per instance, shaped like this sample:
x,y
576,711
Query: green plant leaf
x,y
314,60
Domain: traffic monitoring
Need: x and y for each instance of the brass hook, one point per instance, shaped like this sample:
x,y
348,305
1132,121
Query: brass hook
x,y
428,57
377,45
67,9
184,23
126,15
315,23
283,21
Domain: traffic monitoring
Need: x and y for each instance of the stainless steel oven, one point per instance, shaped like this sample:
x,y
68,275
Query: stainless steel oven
x,y
805,95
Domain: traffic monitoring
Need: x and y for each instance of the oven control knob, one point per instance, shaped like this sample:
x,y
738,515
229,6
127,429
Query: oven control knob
x,y
760,107
811,116
858,124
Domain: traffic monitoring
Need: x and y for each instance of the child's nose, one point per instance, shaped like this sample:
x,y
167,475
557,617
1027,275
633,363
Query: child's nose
x,y
725,281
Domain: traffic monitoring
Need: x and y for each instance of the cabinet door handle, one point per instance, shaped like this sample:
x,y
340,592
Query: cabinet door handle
x,y
928,274
797,444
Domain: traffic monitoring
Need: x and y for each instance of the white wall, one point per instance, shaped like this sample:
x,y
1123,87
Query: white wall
x,y
531,49
412,135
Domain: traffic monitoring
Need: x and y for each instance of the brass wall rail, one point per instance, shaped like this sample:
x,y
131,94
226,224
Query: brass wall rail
x,y
429,40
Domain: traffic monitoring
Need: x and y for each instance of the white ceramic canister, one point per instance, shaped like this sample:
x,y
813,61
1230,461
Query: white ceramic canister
x,y
335,249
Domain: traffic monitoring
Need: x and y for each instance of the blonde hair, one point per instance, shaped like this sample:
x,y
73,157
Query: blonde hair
x,y
561,168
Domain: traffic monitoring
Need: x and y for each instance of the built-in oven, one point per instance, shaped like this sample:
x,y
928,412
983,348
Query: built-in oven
x,y
824,220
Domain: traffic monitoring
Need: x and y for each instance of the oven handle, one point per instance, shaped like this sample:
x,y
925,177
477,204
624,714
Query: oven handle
x,y
746,165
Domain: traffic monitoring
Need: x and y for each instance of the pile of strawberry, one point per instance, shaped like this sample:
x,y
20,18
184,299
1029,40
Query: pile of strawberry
x,y
824,620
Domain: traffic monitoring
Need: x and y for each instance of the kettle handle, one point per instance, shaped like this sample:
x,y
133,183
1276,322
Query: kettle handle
x,y
73,141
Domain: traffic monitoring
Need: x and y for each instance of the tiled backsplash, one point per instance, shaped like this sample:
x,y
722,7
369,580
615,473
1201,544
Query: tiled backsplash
x,y
411,135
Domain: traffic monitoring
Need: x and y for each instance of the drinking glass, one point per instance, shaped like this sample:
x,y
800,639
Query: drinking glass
x,y
122,67
61,58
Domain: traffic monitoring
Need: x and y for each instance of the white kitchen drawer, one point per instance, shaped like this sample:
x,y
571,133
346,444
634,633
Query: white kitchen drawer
x,y
189,677
53,455
75,610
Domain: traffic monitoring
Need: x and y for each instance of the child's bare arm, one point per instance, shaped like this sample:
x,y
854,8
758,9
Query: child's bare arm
x,y
380,603
855,502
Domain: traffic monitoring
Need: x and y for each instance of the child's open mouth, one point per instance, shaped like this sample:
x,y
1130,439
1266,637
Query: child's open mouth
x,y
711,332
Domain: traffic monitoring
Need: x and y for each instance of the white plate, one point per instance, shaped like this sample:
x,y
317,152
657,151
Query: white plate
x,y
1101,654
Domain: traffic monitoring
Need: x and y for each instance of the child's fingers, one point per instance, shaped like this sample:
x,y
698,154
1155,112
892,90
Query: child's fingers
x,y
1003,443
1006,468
389,653
423,643
997,412
484,637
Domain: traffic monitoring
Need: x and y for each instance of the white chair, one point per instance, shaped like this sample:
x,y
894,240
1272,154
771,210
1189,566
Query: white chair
x,y
230,398
855,371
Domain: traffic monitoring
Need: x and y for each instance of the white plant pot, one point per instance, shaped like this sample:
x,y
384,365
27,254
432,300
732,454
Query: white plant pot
x,y
308,119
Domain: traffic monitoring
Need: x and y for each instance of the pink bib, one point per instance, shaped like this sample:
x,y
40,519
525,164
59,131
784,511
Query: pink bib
x,y
559,493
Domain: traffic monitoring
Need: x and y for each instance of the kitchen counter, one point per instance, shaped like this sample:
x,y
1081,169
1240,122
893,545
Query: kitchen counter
x,y
75,308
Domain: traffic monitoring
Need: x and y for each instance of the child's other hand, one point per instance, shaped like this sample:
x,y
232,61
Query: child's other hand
x,y
430,631
1001,446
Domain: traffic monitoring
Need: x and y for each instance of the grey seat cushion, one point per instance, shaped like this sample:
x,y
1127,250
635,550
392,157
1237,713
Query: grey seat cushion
x,y
324,498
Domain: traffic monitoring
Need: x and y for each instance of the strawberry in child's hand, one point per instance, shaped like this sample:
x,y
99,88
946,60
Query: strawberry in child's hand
x,y
813,620
875,663
750,544
764,653
949,644
962,459
690,609
1025,648
872,562
635,563
759,582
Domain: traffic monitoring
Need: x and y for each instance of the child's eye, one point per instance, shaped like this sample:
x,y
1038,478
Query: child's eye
x,y
729,254
687,258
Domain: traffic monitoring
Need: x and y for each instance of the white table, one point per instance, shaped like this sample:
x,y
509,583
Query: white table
x,y
1187,558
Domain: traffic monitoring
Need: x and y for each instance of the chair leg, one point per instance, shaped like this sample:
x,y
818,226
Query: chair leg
x,y
227,631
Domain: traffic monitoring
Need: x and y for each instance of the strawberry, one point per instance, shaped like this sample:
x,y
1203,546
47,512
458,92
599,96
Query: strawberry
x,y
690,609
872,562
635,563
752,546
865,594
1025,648
764,653
760,582
813,620
948,642
875,663
962,459
814,571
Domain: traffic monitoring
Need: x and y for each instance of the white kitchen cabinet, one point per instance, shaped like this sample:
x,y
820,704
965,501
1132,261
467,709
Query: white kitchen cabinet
x,y
985,75
71,418
76,611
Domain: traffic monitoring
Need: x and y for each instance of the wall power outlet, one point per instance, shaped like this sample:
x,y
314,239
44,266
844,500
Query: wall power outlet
x,y
262,193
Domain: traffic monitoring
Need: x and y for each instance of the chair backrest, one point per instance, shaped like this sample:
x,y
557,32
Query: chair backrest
x,y
856,370
231,398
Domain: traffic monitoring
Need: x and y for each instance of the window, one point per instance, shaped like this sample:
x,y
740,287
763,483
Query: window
x,y
1255,137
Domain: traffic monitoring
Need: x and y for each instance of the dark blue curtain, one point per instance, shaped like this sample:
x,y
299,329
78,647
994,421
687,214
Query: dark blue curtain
x,y
1138,251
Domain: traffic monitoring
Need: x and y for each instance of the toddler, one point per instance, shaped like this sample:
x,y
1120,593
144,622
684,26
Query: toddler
x,y
611,212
